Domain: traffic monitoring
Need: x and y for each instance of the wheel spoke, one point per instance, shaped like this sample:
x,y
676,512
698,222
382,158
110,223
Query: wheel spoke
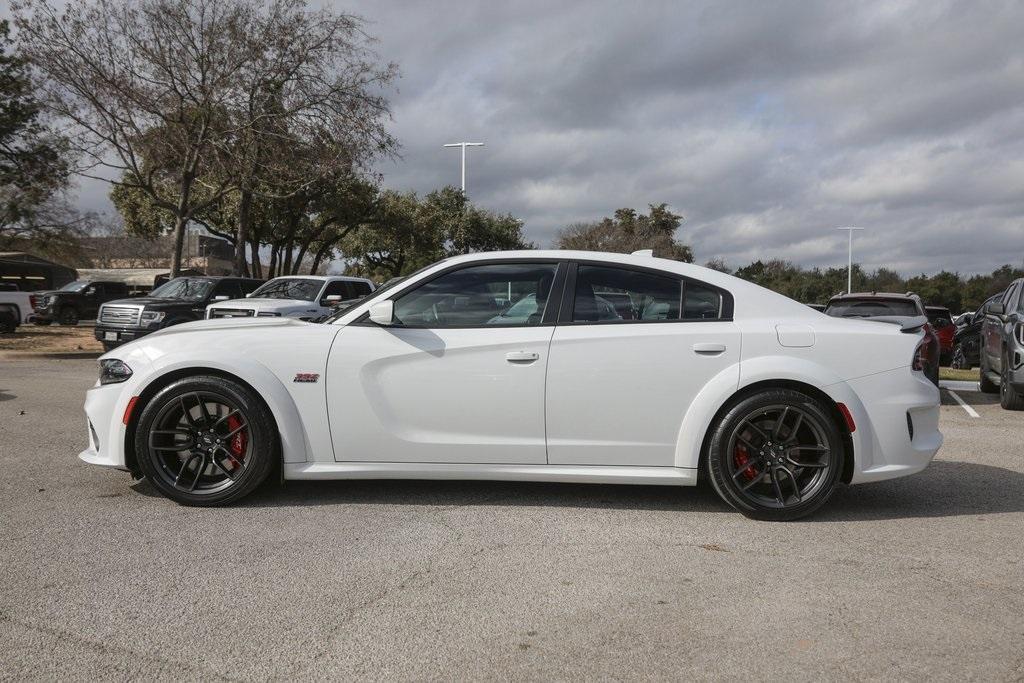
x,y
757,430
207,419
188,413
777,429
796,485
755,480
791,437
816,448
184,466
235,431
809,465
199,473
213,459
749,446
746,466
219,422
778,489
231,456
175,446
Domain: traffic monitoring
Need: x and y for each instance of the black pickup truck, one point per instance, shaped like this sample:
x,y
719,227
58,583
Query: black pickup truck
x,y
78,300
181,300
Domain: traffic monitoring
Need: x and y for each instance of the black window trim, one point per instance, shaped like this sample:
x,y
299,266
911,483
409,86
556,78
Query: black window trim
x,y
569,296
549,319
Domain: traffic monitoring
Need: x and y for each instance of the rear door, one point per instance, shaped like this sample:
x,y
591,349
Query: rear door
x,y
993,329
632,349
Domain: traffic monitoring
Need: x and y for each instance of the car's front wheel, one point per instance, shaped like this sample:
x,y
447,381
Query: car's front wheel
x,y
68,316
206,440
776,455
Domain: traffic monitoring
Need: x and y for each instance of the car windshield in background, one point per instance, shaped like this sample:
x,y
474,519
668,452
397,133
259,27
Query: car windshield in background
x,y
76,286
290,288
870,308
186,288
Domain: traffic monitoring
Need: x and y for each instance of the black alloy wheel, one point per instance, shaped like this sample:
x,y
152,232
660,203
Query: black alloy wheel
x,y
776,455
68,316
206,441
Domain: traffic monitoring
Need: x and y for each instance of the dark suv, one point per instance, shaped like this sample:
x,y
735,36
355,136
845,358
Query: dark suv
x,y
891,307
181,300
79,300
1002,347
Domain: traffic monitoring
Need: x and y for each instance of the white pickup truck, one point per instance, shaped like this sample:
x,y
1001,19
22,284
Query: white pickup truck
x,y
305,297
15,308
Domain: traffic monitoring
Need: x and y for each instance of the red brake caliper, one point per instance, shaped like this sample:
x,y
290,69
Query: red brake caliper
x,y
238,441
741,458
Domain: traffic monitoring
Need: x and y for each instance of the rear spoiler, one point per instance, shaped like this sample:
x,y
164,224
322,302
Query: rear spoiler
x,y
907,324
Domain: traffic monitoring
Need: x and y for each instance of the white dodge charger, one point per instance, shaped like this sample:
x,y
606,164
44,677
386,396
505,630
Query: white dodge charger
x,y
534,365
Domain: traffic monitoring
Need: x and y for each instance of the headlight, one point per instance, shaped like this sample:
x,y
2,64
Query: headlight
x,y
150,317
113,371
267,314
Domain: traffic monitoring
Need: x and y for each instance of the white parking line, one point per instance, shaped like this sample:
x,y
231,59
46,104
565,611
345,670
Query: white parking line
x,y
970,411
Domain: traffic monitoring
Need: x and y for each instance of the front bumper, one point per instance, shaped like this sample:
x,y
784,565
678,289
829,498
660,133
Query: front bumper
x,y
121,335
104,409
902,432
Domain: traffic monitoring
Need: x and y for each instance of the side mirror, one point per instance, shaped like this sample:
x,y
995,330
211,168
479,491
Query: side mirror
x,y
331,299
383,312
995,308
221,297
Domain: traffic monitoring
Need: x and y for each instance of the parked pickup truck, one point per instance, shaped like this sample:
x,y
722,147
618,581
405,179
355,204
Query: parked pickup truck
x,y
306,297
15,308
181,300
1002,347
79,300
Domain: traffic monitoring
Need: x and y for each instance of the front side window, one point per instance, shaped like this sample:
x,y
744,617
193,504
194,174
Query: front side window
x,y
609,294
289,288
506,294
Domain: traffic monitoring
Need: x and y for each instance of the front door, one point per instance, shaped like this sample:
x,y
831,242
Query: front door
x,y
624,368
459,377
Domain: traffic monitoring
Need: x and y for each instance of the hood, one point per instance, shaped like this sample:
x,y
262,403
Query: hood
x,y
220,324
151,302
261,304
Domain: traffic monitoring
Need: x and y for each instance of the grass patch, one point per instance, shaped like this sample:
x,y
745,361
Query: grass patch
x,y
959,375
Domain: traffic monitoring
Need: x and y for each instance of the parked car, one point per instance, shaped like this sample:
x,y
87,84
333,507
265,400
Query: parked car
x,y
941,321
180,300
967,338
773,402
888,307
15,308
1002,347
78,300
305,297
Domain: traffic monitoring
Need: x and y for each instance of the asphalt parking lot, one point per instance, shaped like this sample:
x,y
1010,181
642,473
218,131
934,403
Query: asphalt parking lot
x,y
102,579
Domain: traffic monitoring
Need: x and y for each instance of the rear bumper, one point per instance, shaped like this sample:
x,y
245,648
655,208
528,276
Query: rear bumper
x,y
901,434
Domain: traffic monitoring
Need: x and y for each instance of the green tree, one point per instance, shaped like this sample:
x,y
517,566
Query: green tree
x,y
628,231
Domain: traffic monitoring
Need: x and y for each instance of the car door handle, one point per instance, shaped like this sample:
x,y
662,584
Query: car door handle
x,y
521,356
708,349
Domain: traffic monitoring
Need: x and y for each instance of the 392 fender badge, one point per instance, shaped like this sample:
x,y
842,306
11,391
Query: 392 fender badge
x,y
306,377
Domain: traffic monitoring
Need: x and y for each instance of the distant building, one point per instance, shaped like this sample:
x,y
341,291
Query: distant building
x,y
31,273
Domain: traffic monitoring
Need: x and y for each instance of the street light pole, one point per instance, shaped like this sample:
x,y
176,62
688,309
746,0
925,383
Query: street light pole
x,y
849,262
464,145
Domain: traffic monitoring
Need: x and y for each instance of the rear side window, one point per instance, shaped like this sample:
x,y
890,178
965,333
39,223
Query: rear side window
x,y
610,295
360,288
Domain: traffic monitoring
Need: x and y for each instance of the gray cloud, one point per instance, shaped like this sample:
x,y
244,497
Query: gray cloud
x,y
765,124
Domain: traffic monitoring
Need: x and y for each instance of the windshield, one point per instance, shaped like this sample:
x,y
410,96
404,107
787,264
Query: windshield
x,y
76,286
290,288
870,308
187,288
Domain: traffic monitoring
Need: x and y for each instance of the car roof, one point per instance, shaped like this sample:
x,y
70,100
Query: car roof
x,y
321,278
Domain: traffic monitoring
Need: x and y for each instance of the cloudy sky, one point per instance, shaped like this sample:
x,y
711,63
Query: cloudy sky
x,y
766,124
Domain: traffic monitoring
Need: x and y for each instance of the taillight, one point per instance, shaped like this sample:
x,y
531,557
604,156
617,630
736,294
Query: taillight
x,y
923,354
32,300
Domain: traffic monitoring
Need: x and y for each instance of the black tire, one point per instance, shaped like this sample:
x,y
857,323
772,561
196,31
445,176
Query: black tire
x,y
959,360
1009,398
67,316
199,470
751,429
986,385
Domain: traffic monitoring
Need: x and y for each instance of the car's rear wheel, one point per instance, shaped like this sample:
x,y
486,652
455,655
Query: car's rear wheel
x,y
206,440
776,455
68,316
1009,398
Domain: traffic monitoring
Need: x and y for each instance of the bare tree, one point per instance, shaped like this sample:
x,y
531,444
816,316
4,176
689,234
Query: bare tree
x,y
184,101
